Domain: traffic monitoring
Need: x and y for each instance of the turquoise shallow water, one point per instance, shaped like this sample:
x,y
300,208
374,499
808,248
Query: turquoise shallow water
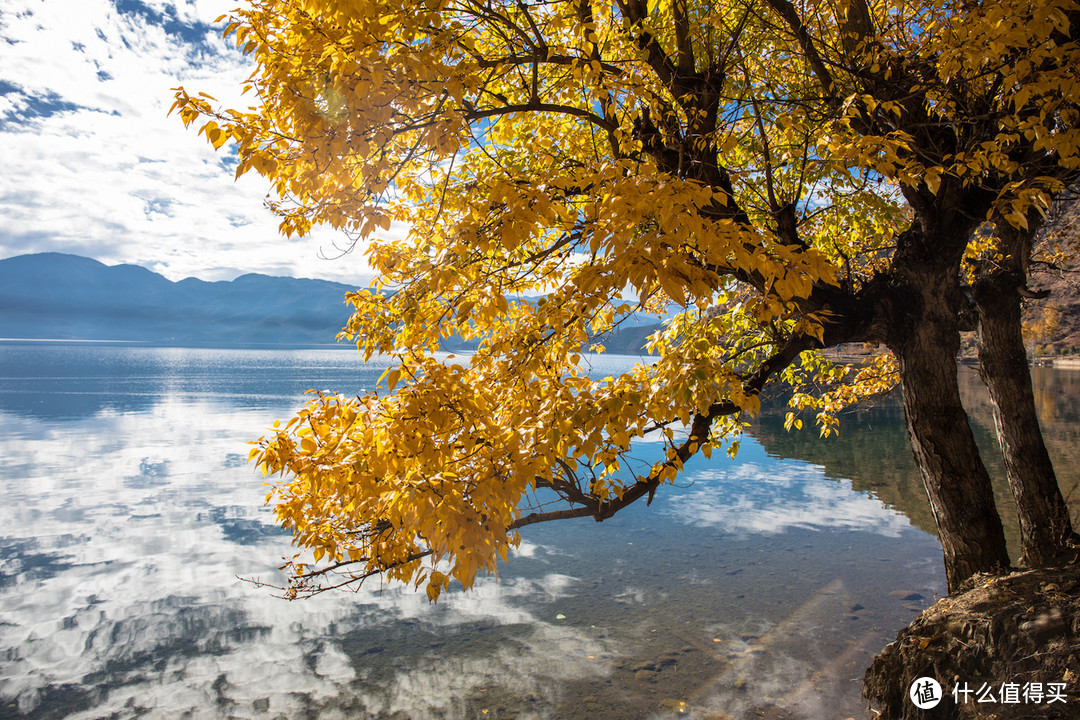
x,y
760,584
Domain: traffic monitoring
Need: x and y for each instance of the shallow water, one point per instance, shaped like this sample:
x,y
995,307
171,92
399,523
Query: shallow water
x,y
760,584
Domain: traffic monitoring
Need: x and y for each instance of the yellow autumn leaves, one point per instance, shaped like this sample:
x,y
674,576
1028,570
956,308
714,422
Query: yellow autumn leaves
x,y
551,168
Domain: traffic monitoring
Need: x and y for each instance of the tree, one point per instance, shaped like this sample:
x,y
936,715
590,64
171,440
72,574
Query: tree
x,y
787,175
1000,281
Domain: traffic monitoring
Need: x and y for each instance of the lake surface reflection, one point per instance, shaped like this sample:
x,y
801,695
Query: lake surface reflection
x,y
762,585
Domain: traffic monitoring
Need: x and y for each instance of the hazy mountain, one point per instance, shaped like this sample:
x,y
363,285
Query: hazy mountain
x,y
53,295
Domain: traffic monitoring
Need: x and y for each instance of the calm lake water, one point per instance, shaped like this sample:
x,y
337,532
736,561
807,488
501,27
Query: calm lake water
x,y
759,586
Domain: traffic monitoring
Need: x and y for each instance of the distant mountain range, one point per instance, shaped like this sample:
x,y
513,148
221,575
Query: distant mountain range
x,y
53,295
59,296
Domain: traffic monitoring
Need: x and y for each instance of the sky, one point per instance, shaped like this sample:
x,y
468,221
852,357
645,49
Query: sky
x,y
92,163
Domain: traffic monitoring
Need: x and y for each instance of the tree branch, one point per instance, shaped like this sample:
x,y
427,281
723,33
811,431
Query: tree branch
x,y
790,15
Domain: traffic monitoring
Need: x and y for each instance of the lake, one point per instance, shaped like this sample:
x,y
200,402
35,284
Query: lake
x,y
759,587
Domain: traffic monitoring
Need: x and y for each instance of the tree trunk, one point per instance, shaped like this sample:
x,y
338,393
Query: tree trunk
x,y
926,341
1045,526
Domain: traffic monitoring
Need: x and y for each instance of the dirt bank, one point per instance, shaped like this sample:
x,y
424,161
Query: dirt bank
x,y
1014,638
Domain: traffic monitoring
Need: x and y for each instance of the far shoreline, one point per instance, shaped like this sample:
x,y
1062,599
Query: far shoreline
x,y
1064,362
179,344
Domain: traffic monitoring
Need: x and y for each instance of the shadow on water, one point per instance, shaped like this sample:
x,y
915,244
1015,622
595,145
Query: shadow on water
x,y
760,587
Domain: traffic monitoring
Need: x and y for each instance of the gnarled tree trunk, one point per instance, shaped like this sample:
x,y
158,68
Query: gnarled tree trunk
x,y
1045,526
926,341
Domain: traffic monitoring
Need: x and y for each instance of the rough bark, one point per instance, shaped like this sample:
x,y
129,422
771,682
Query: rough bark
x,y
926,342
1045,526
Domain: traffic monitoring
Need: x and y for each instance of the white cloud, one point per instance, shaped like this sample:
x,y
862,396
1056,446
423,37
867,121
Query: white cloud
x,y
93,164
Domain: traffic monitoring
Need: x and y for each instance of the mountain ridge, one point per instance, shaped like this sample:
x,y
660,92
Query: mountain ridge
x,y
59,296
71,297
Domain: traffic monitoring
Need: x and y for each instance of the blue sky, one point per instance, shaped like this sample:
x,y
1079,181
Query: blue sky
x,y
92,164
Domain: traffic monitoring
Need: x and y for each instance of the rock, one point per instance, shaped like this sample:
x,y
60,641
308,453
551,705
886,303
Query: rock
x,y
676,706
656,666
907,595
1045,623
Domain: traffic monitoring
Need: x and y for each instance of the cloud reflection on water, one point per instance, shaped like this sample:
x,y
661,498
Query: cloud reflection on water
x,y
122,537
752,497
123,532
